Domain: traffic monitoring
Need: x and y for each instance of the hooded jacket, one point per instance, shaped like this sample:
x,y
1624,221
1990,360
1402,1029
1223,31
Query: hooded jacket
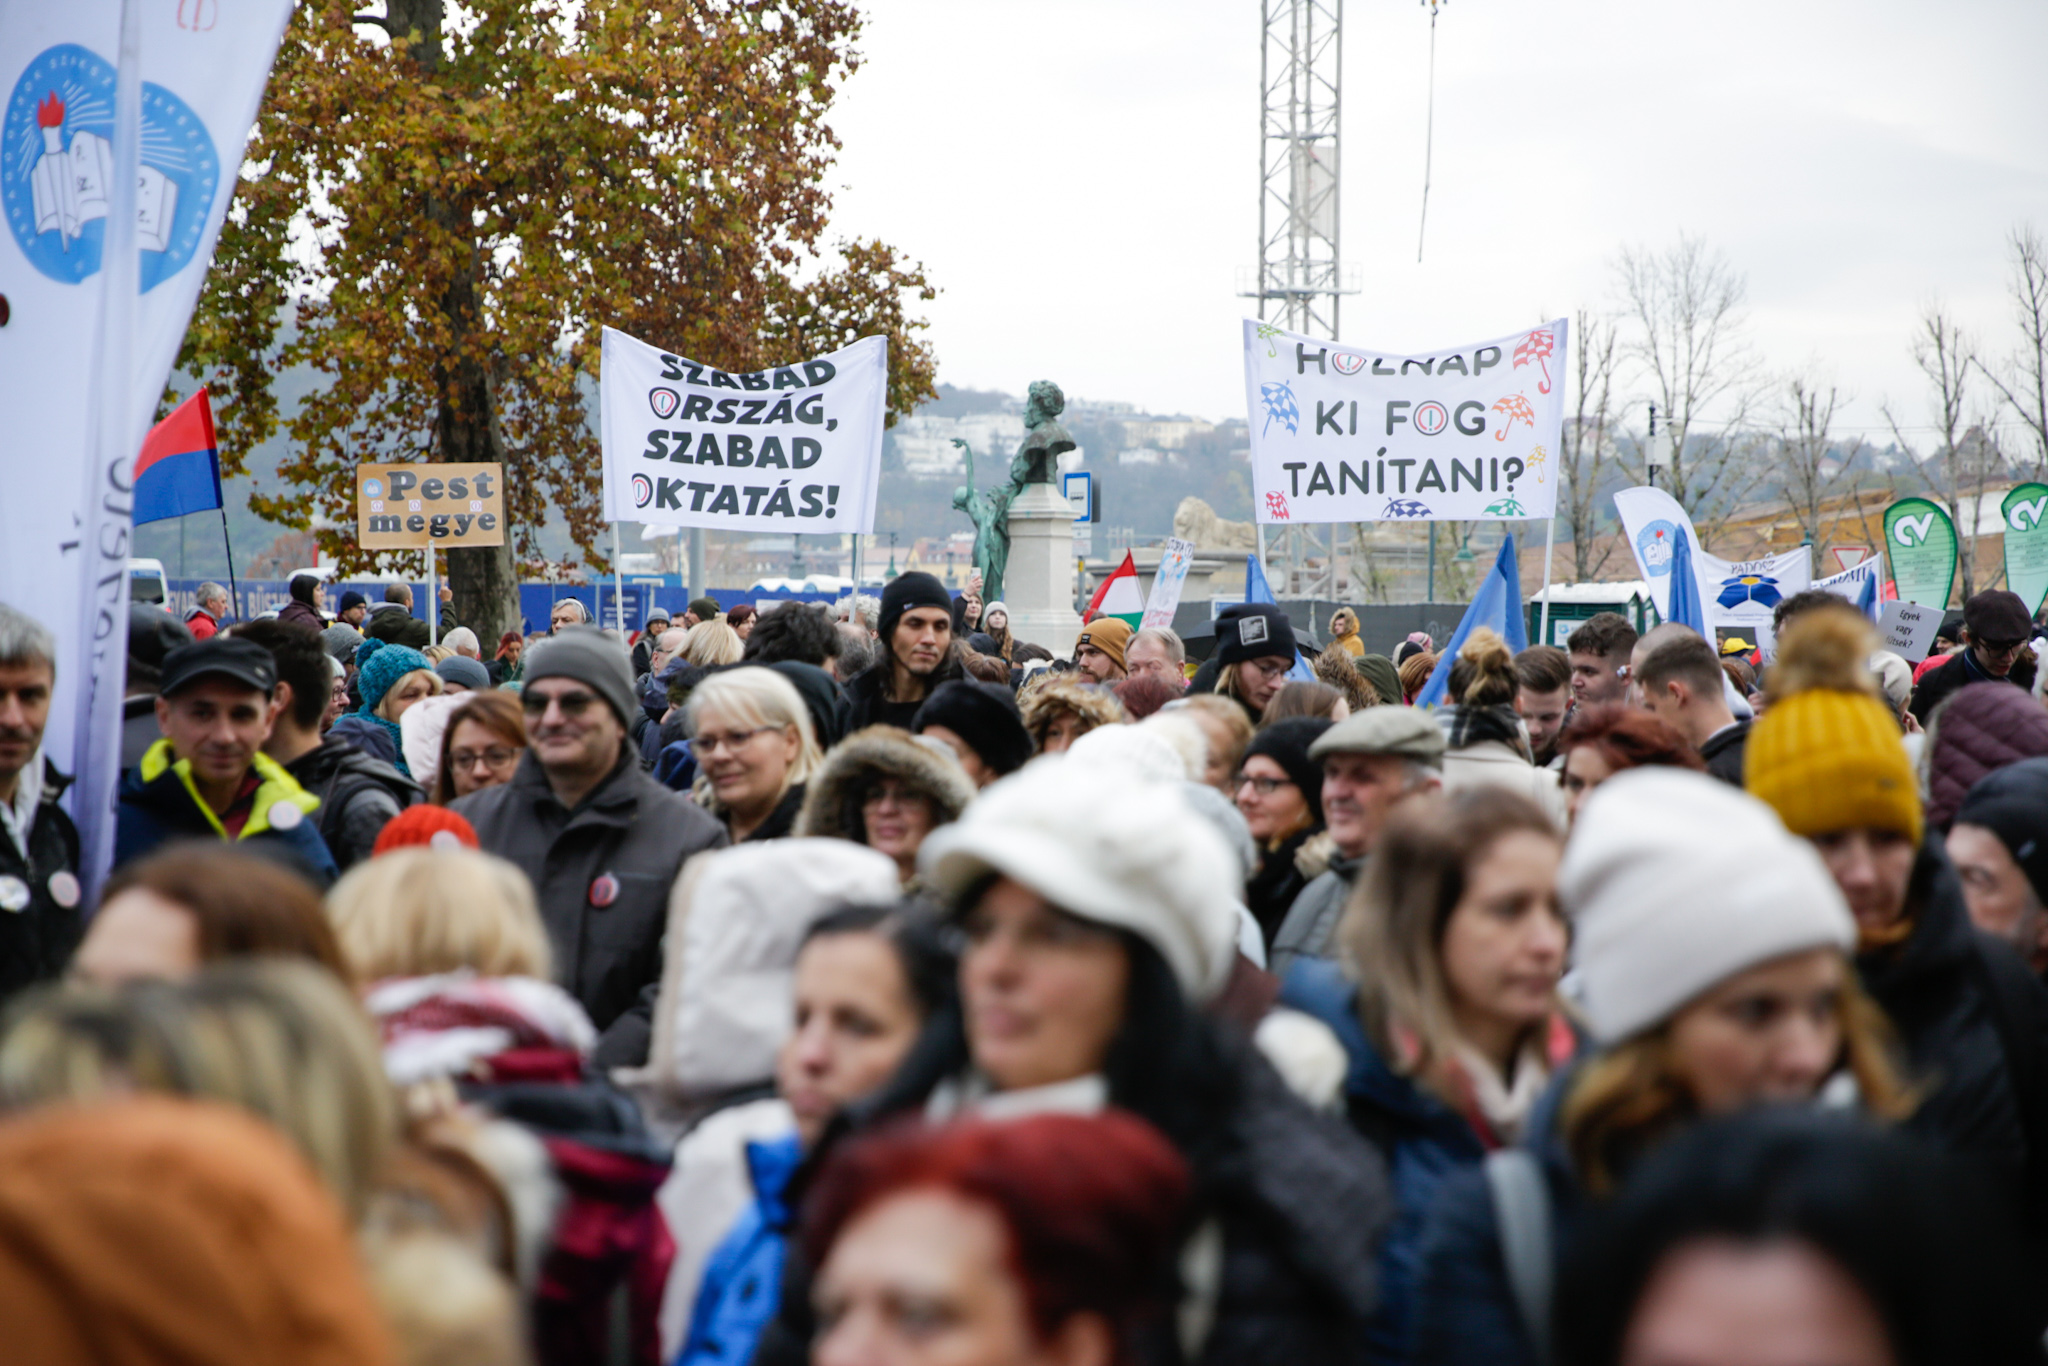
x,y
739,1293
358,795
602,875
1984,727
37,940
159,803
832,802
867,693
394,622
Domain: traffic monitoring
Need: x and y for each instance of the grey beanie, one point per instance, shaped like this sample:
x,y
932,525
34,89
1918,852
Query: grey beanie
x,y
592,658
466,671
340,640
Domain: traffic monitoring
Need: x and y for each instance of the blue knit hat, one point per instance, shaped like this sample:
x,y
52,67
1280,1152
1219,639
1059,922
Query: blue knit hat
x,y
380,664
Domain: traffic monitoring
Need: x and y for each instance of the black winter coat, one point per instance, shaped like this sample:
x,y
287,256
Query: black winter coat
x,y
1272,888
1959,669
358,796
1937,990
36,940
1724,750
1299,1200
602,875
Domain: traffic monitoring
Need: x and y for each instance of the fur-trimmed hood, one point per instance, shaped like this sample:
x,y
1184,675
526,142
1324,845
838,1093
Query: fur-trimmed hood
x,y
831,804
1043,698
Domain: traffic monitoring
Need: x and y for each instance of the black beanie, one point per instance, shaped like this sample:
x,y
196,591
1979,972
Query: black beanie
x,y
905,591
1253,630
1286,744
2012,803
985,715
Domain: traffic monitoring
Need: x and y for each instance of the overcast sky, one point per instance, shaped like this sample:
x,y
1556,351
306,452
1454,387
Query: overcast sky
x,y
1080,176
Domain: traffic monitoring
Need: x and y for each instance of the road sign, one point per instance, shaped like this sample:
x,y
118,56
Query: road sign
x,y
1849,556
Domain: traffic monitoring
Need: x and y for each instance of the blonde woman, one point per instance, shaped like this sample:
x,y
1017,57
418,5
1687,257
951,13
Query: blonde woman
x,y
751,735
710,643
1714,975
1446,1001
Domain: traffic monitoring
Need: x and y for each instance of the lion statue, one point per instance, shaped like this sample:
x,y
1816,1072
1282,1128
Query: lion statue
x,y
1194,520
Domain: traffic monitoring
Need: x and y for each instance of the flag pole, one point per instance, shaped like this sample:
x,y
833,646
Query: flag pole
x,y
233,587
618,583
433,595
1549,541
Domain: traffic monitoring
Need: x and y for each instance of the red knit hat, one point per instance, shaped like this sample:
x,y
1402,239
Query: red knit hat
x,y
434,826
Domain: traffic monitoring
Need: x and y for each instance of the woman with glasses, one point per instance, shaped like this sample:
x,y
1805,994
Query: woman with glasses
x,y
751,735
886,789
481,747
1280,793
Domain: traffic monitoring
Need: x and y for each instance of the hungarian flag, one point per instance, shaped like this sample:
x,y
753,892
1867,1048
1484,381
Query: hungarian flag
x,y
1119,596
179,468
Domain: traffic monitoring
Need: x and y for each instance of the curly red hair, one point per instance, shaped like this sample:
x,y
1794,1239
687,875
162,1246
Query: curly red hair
x,y
1629,737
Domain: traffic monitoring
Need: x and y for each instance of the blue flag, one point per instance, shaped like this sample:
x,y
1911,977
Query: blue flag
x,y
1256,589
1498,604
1686,608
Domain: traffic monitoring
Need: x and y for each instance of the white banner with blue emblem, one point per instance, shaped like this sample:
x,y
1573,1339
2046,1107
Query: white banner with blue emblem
x,y
85,351
792,448
1344,433
1739,595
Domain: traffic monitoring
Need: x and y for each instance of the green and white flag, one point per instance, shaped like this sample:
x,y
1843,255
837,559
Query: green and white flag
x,y
1920,540
2026,543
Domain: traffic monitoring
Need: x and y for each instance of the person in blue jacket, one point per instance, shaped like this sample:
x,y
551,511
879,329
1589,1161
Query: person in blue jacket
x,y
1445,999
867,979
1712,965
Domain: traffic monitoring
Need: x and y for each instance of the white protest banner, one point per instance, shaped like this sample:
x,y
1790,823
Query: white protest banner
x,y
1174,558
1343,433
794,448
1860,585
86,350
1737,595
1907,629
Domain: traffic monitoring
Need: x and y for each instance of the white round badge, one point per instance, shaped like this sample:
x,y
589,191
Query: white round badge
x,y
13,894
284,816
64,889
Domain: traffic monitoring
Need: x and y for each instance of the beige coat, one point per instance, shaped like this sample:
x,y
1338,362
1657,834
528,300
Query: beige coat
x,y
1494,763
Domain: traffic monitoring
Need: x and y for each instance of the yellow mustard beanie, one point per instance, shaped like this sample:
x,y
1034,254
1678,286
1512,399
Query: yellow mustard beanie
x,y
1826,754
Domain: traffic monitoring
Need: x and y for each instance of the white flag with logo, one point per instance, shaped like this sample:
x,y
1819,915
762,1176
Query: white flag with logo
x,y
793,448
1343,433
80,368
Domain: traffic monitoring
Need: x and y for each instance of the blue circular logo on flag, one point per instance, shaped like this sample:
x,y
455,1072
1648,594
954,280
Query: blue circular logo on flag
x,y
1653,547
57,169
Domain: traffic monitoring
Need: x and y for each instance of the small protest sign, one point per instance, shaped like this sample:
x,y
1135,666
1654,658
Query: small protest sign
x,y
792,448
1907,629
409,507
1167,581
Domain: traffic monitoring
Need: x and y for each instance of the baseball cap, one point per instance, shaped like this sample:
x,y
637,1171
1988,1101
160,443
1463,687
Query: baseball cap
x,y
244,661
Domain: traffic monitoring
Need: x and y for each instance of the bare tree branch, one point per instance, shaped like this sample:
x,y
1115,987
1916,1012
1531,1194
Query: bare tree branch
x,y
2025,385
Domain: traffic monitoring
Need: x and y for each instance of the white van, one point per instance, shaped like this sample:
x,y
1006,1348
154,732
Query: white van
x,y
147,583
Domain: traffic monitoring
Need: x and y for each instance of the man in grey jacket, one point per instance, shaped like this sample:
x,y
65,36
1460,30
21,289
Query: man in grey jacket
x,y
600,839
1371,762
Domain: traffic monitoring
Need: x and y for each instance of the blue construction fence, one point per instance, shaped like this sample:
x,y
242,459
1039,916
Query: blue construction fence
x,y
536,600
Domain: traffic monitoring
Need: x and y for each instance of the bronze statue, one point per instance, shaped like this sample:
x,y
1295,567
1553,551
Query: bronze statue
x,y
1045,440
1036,462
990,513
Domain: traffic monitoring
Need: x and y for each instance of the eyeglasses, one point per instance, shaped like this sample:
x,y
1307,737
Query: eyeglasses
x,y
2001,647
711,744
1265,787
886,793
494,758
572,703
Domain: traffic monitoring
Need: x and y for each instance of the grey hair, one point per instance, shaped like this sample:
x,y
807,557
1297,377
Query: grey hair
x,y
24,640
211,592
1165,640
869,609
582,613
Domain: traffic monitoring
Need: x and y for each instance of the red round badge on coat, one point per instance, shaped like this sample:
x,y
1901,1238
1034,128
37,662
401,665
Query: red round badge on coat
x,y
605,890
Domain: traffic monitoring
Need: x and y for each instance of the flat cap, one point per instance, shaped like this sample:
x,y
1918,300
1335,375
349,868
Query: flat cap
x,y
1404,731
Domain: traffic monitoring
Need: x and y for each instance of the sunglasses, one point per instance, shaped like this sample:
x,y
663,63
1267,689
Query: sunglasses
x,y
572,703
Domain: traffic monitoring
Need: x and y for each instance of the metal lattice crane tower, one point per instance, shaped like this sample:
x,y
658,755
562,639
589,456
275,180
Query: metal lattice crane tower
x,y
1301,65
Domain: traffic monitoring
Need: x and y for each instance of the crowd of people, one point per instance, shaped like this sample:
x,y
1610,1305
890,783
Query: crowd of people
x,y
870,987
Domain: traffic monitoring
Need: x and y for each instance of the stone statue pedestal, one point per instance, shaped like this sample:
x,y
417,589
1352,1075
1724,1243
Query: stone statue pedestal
x,y
1038,585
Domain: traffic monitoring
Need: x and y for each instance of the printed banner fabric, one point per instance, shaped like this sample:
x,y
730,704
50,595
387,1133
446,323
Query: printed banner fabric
x,y
793,448
2026,543
1343,433
1920,540
1739,595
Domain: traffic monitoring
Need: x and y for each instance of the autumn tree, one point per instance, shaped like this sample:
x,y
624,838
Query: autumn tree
x,y
442,205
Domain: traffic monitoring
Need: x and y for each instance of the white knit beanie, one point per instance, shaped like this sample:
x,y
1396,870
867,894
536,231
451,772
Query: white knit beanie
x,y
1107,846
1675,882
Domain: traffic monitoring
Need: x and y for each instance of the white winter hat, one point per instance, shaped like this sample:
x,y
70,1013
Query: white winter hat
x,y
1675,882
1107,846
420,728
1143,752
